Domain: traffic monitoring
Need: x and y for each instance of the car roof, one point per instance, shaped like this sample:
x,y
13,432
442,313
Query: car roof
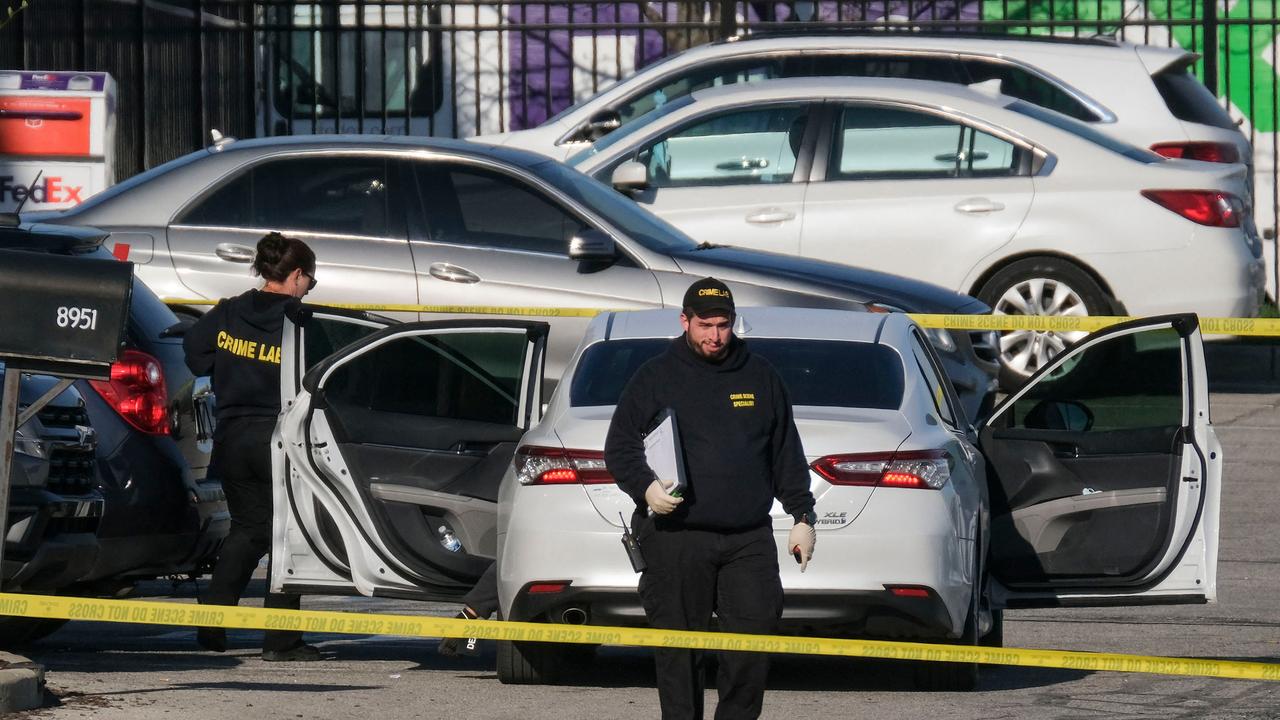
x,y
980,44
44,237
754,322
381,142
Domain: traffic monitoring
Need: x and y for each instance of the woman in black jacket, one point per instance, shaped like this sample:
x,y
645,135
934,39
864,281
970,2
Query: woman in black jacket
x,y
238,344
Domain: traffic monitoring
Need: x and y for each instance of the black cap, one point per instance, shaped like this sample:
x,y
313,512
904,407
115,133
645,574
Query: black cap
x,y
707,297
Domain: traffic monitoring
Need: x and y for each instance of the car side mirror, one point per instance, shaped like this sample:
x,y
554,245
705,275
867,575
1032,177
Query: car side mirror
x,y
1070,415
600,124
630,176
592,245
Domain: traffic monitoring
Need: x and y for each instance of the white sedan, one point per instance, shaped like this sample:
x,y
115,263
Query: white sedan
x,y
410,456
1031,211
1104,486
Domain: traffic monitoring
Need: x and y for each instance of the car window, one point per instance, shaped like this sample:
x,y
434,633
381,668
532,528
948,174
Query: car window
x,y
326,335
1125,382
1084,132
693,79
469,205
743,147
933,379
346,195
907,67
462,376
815,372
1019,83
148,315
877,142
1189,100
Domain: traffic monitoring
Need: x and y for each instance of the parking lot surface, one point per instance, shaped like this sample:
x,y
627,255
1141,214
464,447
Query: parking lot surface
x,y
123,671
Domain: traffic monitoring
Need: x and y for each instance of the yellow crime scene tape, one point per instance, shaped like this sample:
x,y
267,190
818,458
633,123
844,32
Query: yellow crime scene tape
x,y
1254,327
253,618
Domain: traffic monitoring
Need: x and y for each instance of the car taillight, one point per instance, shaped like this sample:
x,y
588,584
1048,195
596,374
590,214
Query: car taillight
x,y
538,465
1206,207
1204,151
137,392
920,469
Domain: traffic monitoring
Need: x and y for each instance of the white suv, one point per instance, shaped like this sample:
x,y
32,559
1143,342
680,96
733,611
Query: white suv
x,y
1141,94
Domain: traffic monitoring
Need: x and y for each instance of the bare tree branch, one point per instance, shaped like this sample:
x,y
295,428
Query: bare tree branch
x,y
11,11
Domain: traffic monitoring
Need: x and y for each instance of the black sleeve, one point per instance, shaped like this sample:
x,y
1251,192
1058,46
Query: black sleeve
x,y
624,445
790,471
200,342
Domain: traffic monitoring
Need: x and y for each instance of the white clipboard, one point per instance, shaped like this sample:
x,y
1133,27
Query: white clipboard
x,y
662,452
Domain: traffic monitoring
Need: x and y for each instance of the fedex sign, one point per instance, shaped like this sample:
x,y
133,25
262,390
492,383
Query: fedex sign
x,y
47,186
49,190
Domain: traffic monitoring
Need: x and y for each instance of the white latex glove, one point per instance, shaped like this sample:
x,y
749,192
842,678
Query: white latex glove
x,y
658,499
801,541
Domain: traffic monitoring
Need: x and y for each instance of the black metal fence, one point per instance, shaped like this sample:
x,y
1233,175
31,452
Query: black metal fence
x,y
267,67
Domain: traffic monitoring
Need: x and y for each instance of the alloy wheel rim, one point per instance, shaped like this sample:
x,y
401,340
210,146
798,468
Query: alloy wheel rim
x,y
1027,351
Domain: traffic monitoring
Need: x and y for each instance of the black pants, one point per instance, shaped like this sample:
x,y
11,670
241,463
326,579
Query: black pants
x,y
483,598
242,460
692,573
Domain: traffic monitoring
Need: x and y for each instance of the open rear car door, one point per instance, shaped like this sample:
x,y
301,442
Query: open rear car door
x,y
1105,474
389,452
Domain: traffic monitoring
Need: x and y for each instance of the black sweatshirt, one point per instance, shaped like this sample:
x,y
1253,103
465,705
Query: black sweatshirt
x,y
238,343
741,447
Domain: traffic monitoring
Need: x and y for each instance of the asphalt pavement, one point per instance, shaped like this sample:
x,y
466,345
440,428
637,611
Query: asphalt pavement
x,y
119,671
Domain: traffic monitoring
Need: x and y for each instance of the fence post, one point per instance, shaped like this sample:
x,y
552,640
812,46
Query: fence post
x,y
1210,52
728,18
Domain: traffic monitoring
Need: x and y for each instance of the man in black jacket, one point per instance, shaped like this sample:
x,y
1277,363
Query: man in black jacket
x,y
712,549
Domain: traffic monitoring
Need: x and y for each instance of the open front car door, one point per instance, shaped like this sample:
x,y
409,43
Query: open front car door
x,y
389,453
1105,473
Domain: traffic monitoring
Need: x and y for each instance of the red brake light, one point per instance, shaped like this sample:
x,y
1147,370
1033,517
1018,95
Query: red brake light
x,y
547,587
538,465
1205,207
1203,151
911,591
137,392
919,469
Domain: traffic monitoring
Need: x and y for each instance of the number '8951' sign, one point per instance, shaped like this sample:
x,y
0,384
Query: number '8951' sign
x,y
62,315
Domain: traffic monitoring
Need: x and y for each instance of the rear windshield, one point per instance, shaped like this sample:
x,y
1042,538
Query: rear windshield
x,y
1189,100
826,373
1085,132
148,314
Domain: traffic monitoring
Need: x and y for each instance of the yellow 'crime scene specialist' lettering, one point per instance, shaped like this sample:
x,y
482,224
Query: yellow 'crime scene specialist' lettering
x,y
249,348
743,400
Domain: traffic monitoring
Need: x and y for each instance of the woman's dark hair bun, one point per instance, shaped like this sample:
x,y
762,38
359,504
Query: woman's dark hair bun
x,y
278,255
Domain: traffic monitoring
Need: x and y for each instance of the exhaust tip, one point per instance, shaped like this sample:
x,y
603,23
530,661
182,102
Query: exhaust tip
x,y
574,616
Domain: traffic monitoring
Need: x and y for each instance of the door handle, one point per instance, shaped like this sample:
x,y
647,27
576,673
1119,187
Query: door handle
x,y
452,273
743,164
770,215
977,206
234,253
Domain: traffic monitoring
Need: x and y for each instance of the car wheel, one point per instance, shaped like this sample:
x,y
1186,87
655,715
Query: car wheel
x,y
529,663
953,676
18,632
1042,287
995,636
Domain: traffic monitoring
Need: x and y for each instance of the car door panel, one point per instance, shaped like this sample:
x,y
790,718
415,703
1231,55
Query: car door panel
x,y
732,177
911,192
395,449
348,208
1098,473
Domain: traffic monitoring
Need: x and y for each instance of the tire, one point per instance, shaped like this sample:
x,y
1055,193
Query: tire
x,y
995,636
1040,286
16,632
529,663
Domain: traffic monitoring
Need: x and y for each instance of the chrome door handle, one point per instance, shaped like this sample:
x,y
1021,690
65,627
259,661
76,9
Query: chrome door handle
x,y
743,164
962,156
234,253
452,273
770,215
974,206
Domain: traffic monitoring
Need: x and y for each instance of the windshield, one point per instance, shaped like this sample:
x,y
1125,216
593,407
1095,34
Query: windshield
x,y
647,71
816,372
1083,131
629,129
645,228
